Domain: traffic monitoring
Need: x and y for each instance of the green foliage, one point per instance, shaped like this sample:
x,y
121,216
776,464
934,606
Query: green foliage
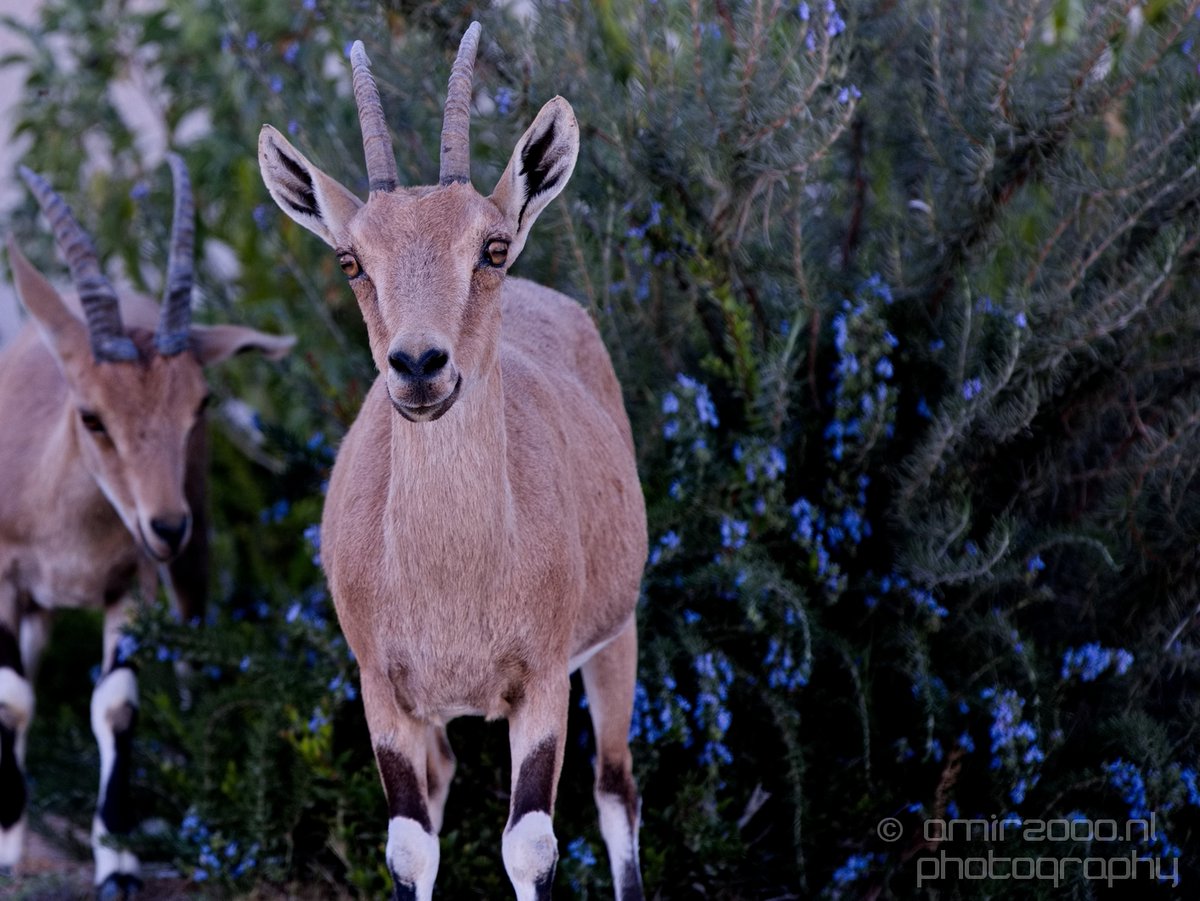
x,y
902,307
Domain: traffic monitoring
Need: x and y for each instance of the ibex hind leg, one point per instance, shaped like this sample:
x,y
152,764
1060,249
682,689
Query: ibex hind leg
x,y
608,679
439,771
16,711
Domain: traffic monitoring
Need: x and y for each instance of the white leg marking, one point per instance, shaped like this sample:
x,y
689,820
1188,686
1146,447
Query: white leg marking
x,y
16,711
108,859
16,707
530,851
413,855
115,690
12,843
118,689
619,837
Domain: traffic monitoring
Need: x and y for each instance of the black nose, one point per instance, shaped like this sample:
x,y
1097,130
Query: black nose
x,y
426,366
170,529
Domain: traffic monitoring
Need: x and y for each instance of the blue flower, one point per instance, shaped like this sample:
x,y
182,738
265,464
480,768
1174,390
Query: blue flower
x,y
852,870
734,532
504,101
581,852
1090,661
1020,320
972,388
670,403
1035,564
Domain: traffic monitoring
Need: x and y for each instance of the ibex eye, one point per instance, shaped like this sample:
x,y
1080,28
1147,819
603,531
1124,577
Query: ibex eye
x,y
91,422
496,253
350,265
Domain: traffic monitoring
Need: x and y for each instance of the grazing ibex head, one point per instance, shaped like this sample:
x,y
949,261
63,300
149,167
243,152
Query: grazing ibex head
x,y
427,263
136,393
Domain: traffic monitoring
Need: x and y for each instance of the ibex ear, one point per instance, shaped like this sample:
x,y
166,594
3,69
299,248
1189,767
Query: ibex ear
x,y
538,170
217,343
63,331
302,190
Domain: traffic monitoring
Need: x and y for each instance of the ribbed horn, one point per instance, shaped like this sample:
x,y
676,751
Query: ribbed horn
x,y
456,125
172,336
377,142
96,294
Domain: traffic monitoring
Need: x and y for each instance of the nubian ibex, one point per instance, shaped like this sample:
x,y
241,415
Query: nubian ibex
x,y
484,533
102,482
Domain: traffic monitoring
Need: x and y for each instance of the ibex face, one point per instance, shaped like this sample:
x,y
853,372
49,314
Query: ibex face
x,y
426,264
133,397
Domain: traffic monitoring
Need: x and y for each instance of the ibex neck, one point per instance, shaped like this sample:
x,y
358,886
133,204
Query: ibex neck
x,y
449,486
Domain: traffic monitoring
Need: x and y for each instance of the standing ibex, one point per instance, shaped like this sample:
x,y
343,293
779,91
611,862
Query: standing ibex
x,y
102,455
484,533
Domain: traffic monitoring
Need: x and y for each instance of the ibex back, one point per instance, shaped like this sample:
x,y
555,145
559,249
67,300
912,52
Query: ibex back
x,y
102,481
484,532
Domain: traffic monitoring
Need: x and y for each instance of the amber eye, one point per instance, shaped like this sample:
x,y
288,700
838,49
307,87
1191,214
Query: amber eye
x,y
91,422
349,264
496,253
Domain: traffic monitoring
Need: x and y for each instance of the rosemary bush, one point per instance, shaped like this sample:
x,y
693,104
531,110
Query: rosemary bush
x,y
902,300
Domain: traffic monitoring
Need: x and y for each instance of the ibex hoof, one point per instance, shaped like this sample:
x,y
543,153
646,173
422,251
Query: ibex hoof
x,y
118,887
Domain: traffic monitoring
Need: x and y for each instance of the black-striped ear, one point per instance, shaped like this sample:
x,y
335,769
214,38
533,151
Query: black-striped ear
x,y
538,170
304,192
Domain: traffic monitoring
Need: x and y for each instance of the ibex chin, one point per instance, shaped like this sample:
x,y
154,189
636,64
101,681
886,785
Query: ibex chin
x,y
484,533
102,456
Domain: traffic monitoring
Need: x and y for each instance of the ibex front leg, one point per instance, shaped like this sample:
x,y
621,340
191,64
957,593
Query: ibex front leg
x,y
114,715
537,732
400,752
16,710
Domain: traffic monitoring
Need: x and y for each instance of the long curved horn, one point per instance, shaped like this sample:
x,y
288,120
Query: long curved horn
x,y
456,125
96,294
377,143
172,336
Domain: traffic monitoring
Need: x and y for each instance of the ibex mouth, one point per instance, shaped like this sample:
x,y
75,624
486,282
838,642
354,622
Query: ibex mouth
x,y
154,553
428,412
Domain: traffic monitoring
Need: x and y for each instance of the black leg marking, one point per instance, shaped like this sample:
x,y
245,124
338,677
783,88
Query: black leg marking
x,y
402,788
631,882
12,782
535,784
10,652
616,780
403,891
542,889
116,811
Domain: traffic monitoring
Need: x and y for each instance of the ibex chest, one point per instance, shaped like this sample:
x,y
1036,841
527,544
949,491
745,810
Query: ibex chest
x,y
60,561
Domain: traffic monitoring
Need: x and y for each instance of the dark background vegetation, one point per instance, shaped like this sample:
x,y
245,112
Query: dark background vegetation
x,y
903,297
